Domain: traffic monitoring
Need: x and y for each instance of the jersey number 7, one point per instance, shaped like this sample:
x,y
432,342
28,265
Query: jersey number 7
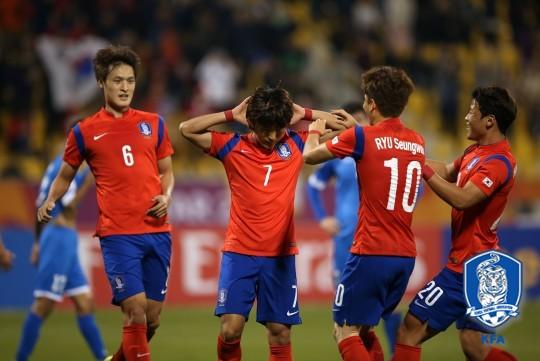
x,y
394,176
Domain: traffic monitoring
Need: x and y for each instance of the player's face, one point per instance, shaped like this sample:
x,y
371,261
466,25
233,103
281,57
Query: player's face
x,y
269,138
119,86
474,122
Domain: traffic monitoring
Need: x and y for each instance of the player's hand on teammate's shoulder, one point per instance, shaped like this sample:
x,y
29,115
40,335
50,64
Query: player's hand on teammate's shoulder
x,y
239,111
159,209
344,118
299,113
34,254
44,212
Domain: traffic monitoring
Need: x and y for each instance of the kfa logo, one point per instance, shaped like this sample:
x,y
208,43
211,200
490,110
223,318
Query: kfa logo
x,y
119,283
145,129
492,287
222,297
283,150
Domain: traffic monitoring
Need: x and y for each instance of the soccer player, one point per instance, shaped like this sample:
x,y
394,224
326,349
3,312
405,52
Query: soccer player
x,y
6,257
389,159
129,153
259,251
59,270
476,185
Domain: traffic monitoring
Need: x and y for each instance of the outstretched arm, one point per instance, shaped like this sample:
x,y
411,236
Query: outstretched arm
x,y
197,130
59,187
459,198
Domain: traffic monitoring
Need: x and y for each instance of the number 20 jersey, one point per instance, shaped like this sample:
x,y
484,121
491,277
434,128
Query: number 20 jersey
x,y
262,184
123,155
389,160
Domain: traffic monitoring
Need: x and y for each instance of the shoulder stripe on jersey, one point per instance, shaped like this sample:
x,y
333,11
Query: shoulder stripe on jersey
x,y
358,150
506,162
222,153
297,140
160,131
80,140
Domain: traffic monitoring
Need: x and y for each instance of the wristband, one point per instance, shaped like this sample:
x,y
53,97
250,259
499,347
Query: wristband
x,y
315,132
229,115
308,114
427,172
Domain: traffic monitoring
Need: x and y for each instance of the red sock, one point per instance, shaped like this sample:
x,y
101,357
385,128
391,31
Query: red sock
x,y
280,352
352,349
119,355
373,346
406,353
497,354
229,351
134,343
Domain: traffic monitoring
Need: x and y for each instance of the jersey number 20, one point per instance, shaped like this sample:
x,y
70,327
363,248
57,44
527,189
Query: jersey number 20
x,y
394,176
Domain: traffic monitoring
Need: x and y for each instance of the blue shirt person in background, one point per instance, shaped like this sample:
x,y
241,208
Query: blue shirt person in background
x,y
55,253
342,224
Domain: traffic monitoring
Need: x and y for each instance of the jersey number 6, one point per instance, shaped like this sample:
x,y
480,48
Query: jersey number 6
x,y
128,156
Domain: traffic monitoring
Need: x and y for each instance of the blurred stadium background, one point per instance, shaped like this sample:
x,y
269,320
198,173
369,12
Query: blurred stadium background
x,y
201,56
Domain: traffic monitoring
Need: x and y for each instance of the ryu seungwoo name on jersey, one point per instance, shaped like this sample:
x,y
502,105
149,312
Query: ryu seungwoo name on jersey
x,y
395,143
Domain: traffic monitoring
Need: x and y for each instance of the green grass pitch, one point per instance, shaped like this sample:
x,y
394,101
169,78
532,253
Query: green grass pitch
x,y
189,333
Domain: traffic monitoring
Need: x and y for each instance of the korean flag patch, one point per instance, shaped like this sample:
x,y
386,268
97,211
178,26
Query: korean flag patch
x,y
487,182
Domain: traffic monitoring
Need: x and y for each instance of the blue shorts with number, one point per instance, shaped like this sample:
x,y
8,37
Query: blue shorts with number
x,y
59,270
137,263
270,280
370,288
442,302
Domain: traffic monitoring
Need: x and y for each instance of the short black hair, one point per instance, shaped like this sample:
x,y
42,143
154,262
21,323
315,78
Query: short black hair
x,y
389,87
498,102
353,107
108,58
269,108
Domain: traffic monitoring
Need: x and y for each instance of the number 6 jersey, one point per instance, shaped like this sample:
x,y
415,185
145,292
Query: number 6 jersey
x,y
262,184
123,155
389,160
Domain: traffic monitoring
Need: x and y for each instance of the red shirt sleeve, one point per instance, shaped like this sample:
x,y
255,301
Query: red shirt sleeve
x,y
165,148
490,176
72,153
347,143
219,139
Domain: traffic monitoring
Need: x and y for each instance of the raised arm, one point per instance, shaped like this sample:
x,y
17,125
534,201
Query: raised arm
x,y
197,130
59,187
314,151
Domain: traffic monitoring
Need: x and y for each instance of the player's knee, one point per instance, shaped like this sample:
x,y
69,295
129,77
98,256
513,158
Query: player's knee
x,y
472,345
411,331
230,333
43,307
279,334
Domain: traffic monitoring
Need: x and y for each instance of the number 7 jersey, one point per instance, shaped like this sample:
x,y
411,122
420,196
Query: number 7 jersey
x,y
389,160
123,156
262,184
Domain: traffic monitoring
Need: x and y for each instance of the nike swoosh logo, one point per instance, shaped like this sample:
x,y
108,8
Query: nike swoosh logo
x,y
419,304
96,137
289,313
164,291
244,151
143,354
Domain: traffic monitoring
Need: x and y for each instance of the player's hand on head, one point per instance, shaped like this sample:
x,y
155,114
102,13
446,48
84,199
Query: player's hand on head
x,y
159,209
298,113
6,259
344,118
239,111
34,254
330,225
319,125
44,212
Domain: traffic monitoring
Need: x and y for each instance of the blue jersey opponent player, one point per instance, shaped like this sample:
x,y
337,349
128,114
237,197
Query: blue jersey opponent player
x,y
129,154
342,224
59,269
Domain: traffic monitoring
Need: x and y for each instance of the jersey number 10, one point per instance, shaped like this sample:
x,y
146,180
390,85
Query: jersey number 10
x,y
394,176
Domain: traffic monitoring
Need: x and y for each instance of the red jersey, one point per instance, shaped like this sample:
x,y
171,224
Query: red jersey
x,y
491,168
389,160
123,155
262,184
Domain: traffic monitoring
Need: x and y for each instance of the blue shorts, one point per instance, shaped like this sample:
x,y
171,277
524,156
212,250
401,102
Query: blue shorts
x,y
342,245
272,280
442,301
370,288
137,263
59,269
